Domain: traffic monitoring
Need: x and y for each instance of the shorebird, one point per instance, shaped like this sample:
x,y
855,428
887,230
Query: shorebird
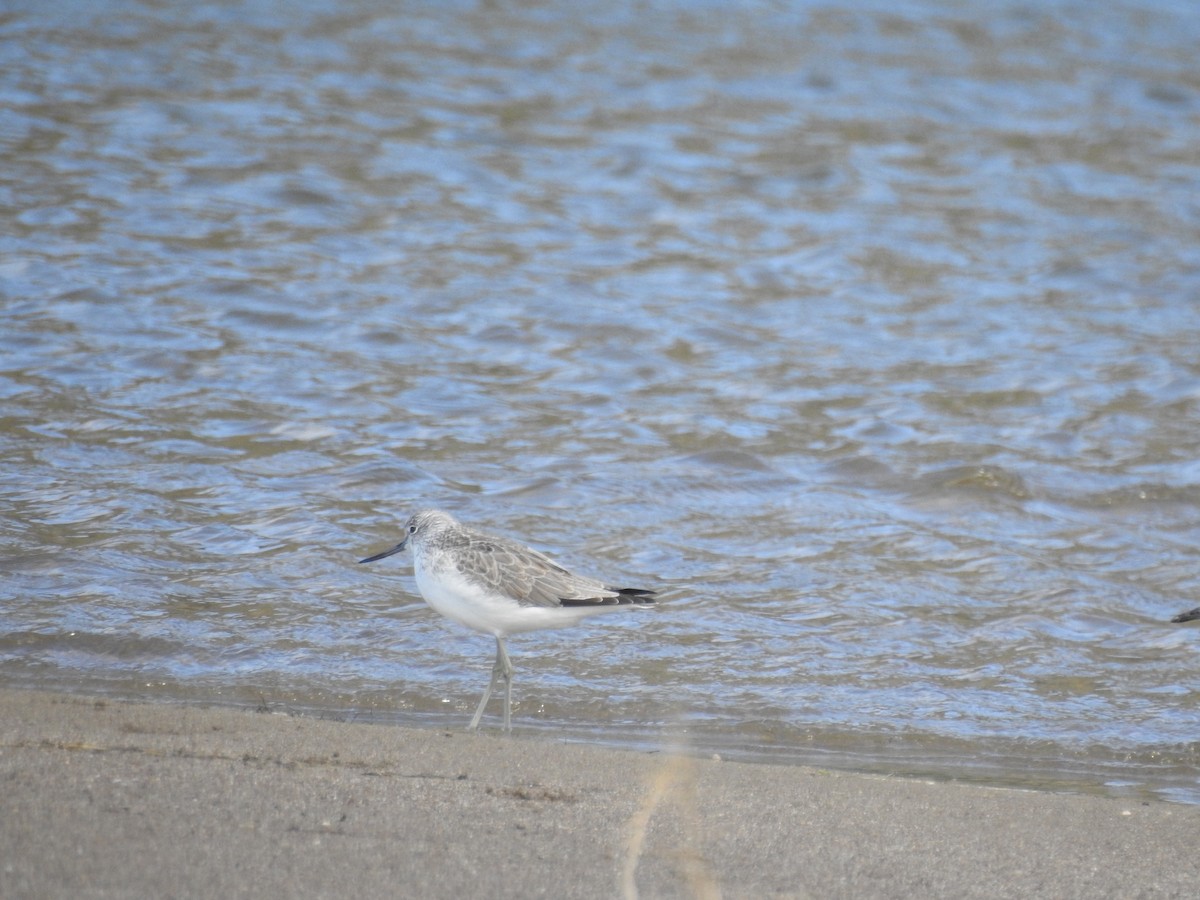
x,y
500,587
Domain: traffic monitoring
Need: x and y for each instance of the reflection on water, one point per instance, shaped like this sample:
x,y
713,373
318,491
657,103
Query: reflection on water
x,y
866,333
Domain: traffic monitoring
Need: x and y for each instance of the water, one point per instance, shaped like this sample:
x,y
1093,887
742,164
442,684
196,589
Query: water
x,y
867,333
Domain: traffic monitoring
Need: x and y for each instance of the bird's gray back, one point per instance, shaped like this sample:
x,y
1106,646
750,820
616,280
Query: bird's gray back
x,y
514,570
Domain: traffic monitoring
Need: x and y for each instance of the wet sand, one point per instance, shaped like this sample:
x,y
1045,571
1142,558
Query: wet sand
x,y
113,799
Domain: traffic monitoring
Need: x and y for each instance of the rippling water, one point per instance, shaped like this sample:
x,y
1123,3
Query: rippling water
x,y
867,333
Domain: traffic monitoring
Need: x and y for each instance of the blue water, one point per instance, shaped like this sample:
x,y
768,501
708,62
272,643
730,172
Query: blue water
x,y
866,334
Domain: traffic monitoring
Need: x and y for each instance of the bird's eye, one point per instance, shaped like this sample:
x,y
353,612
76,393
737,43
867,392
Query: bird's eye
x,y
412,529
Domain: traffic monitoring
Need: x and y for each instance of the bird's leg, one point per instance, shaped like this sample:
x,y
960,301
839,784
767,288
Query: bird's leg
x,y
506,673
502,669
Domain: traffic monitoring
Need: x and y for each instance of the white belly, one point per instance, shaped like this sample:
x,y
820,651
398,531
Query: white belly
x,y
451,595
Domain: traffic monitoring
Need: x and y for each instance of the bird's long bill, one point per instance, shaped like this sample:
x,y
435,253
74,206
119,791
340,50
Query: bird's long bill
x,y
400,546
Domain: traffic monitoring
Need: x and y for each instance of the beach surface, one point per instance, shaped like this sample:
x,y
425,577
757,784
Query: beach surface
x,y
103,798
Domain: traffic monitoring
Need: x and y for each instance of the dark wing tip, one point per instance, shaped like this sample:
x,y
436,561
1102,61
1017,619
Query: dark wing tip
x,y
624,595
635,595
1188,616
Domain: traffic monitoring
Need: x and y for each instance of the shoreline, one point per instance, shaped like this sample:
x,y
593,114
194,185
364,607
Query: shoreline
x,y
105,797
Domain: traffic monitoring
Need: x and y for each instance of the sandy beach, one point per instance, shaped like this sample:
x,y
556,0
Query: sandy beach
x,y
113,799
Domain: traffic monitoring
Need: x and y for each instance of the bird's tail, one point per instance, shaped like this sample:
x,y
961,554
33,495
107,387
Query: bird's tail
x,y
638,596
635,596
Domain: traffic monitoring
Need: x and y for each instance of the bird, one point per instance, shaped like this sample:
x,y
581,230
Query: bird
x,y
499,586
1188,616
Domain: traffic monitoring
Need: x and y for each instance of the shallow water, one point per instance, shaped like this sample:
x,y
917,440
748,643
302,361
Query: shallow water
x,y
867,334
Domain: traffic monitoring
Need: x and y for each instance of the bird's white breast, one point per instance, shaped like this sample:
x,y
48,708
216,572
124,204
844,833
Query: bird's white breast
x,y
457,598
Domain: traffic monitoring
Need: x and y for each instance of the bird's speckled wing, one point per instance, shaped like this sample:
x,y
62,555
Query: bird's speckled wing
x,y
529,577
